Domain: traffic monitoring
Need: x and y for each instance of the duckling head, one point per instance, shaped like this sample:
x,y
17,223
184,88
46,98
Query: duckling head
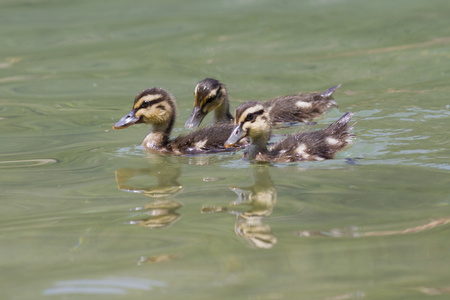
x,y
209,95
251,120
153,106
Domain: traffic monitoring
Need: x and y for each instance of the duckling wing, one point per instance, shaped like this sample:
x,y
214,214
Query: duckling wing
x,y
204,140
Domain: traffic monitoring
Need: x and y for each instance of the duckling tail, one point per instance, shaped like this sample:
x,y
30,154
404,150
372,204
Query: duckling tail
x,y
337,136
342,124
330,91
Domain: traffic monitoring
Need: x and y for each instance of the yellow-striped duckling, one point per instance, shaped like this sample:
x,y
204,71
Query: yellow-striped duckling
x,y
157,107
253,120
211,95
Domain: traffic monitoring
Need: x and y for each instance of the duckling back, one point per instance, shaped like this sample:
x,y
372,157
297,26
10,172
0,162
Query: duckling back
x,y
300,107
315,145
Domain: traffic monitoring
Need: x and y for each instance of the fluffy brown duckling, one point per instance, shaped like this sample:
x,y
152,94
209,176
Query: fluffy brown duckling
x,y
211,95
157,107
253,120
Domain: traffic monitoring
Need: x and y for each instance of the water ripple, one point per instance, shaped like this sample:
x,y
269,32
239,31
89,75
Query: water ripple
x,y
26,163
107,286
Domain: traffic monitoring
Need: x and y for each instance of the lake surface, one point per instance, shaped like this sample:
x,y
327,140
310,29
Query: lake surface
x,y
86,214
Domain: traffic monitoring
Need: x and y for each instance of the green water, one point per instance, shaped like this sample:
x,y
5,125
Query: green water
x,y
86,214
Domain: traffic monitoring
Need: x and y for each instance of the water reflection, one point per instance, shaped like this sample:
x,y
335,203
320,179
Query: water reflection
x,y
162,211
258,200
157,258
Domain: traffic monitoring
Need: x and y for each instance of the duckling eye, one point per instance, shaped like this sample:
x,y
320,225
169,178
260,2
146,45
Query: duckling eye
x,y
249,118
214,95
210,99
145,104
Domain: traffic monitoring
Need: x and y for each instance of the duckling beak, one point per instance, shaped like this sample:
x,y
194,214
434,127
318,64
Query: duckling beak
x,y
236,135
196,118
127,120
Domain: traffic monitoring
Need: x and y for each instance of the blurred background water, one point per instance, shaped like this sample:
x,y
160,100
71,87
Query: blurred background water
x,y
86,214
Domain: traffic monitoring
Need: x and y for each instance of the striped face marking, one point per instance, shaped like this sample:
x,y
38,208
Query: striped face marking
x,y
196,91
206,93
213,93
153,109
148,100
211,100
249,115
254,122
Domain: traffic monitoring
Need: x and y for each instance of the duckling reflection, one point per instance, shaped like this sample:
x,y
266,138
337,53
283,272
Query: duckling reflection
x,y
260,198
162,211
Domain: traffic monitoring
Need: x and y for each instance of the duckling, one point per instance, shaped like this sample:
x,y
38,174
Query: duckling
x,y
253,120
211,95
156,106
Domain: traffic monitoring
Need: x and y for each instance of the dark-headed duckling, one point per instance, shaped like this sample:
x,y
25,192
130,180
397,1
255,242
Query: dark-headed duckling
x,y
211,95
157,107
252,120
